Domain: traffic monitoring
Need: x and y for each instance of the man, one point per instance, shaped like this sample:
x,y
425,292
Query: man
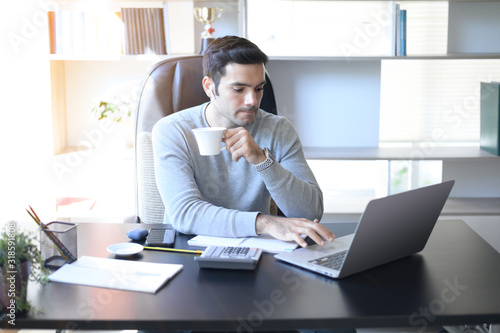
x,y
229,194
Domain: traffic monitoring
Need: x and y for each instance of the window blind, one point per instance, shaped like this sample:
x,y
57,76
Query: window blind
x,y
433,100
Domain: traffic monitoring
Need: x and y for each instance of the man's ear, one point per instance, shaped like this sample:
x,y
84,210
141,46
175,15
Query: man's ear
x,y
208,86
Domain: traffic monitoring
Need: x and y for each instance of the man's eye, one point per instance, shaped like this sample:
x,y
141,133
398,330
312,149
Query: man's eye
x,y
237,90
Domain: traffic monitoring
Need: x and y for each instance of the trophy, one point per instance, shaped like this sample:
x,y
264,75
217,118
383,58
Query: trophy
x,y
207,16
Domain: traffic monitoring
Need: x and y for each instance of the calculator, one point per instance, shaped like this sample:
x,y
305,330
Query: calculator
x,y
229,257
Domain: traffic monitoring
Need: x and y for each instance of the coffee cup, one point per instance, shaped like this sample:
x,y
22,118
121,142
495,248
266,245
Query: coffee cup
x,y
209,140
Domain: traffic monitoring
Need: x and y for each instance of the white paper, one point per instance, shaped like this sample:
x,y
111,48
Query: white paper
x,y
116,274
266,242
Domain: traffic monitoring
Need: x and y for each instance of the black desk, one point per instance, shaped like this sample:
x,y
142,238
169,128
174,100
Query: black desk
x,y
454,281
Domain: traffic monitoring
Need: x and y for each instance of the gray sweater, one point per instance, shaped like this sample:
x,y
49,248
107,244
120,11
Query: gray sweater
x,y
213,195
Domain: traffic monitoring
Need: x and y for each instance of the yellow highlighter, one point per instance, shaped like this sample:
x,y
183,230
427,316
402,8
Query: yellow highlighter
x,y
172,250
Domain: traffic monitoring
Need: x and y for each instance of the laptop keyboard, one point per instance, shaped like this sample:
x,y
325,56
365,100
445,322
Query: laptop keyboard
x,y
332,260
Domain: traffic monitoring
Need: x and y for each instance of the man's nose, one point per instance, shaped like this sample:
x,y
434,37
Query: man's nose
x,y
251,98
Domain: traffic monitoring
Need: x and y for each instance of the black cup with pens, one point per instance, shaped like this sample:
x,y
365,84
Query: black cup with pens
x,y
66,234
58,241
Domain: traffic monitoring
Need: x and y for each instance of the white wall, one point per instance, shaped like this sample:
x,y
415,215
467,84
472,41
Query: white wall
x,y
87,81
473,27
475,178
330,103
25,126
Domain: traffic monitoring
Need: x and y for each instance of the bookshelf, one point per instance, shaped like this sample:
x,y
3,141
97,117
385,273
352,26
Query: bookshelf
x,y
329,117
68,71
235,20
461,18
78,77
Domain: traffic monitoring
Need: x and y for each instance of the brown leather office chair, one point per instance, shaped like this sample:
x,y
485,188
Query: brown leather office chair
x,y
171,85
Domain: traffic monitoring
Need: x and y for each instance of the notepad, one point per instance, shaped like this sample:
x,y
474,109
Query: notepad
x,y
116,274
265,242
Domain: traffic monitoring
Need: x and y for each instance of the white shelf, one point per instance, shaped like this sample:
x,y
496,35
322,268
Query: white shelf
x,y
112,57
331,0
472,206
350,209
479,56
151,57
398,153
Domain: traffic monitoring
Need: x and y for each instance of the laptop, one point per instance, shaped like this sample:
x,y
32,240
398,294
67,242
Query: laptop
x,y
390,228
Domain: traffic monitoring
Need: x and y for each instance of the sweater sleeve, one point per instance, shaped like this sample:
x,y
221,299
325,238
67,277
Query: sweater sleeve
x,y
290,180
185,207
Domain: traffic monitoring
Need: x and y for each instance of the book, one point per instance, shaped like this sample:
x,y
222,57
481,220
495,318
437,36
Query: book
x,y
115,33
403,31
52,31
144,30
490,117
166,28
116,274
90,32
77,31
66,32
128,28
397,30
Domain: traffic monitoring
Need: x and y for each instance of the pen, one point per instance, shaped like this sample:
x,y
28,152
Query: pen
x,y
172,250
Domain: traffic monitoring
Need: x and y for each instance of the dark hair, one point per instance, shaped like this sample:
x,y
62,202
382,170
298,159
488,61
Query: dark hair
x,y
226,50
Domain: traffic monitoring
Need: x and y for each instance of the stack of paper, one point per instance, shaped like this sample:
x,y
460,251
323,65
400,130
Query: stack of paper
x,y
264,242
116,274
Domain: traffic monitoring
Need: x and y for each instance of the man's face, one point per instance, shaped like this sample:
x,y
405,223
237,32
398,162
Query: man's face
x,y
239,94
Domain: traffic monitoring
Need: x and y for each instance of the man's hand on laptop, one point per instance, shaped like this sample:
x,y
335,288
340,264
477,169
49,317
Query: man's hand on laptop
x,y
291,229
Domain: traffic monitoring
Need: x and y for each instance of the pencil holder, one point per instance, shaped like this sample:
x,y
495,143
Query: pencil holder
x,y
58,243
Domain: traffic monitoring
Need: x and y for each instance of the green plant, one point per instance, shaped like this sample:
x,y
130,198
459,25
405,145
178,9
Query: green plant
x,y
114,111
20,261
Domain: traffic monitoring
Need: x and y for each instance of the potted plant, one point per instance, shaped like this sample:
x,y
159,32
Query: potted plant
x,y
20,261
116,111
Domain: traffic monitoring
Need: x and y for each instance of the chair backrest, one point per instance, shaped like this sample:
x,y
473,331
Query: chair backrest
x,y
171,85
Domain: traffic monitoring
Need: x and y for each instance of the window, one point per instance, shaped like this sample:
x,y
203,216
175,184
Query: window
x,y
349,185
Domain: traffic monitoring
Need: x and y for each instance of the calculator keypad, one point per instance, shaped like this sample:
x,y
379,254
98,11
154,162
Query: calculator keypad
x,y
230,257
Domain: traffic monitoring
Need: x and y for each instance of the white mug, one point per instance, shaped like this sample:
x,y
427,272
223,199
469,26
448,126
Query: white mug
x,y
209,139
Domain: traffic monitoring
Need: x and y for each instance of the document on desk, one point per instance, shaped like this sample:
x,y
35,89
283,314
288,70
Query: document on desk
x,y
266,242
116,274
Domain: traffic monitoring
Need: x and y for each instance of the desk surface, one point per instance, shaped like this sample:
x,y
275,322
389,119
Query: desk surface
x,y
453,281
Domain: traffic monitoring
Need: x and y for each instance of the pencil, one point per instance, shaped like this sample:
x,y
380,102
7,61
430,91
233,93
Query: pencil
x,y
172,250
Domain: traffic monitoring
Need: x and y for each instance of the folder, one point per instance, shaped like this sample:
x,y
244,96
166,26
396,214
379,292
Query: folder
x,y
490,117
120,274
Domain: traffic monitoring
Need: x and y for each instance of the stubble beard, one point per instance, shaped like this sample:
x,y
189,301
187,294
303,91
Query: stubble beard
x,y
246,120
